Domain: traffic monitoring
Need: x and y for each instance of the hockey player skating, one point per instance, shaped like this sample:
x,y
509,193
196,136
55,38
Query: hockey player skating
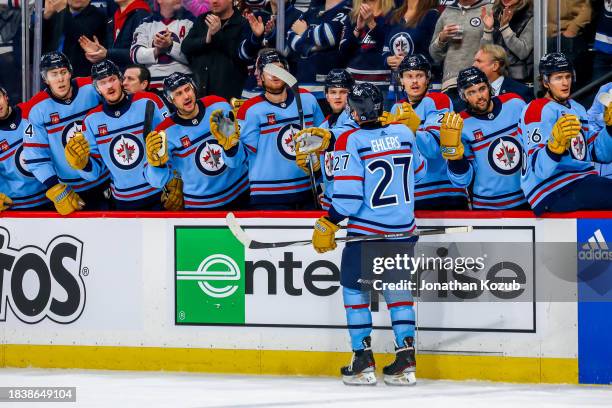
x,y
373,187
56,114
267,125
435,191
189,148
482,144
19,189
112,139
560,146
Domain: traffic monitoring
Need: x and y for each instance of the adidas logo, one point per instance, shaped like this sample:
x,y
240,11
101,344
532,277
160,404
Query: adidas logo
x,y
595,249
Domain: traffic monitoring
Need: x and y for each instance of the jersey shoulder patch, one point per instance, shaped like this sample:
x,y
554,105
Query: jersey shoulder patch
x,y
441,100
148,95
166,123
35,100
343,139
82,81
534,110
248,104
212,99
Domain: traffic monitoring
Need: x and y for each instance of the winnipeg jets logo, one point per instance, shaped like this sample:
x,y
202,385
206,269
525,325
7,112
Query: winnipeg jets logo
x,y
21,164
402,44
505,155
329,165
209,159
284,140
578,147
70,129
126,151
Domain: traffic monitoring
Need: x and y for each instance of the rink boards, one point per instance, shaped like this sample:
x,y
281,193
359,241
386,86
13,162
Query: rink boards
x,y
157,292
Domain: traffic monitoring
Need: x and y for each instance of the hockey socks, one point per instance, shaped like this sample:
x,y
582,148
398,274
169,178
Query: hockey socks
x,y
358,315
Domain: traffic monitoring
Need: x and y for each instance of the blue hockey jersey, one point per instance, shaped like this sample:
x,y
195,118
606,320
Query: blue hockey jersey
x,y
196,156
435,184
337,124
54,122
374,174
545,172
492,158
266,143
114,133
16,181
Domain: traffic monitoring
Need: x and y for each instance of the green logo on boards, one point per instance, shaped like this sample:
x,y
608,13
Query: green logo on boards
x,y
209,276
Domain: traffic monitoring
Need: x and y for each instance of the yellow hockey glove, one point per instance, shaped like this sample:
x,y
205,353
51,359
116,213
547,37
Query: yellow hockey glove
x,y
236,104
608,115
407,116
77,151
224,129
324,235
65,199
5,202
566,127
386,118
172,196
157,148
450,136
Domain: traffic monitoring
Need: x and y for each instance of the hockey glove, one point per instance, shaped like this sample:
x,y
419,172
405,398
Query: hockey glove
x,y
309,143
407,116
386,118
607,117
236,104
77,151
302,160
324,235
172,196
606,100
65,199
157,148
566,127
5,202
450,136
224,129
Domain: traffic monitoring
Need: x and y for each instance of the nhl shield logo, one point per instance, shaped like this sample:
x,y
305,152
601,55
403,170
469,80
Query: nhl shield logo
x,y
478,135
102,130
578,147
284,140
126,151
55,118
209,159
4,146
185,141
505,155
271,119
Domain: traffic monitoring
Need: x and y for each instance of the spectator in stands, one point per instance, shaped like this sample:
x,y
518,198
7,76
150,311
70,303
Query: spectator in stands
x,y
211,48
602,63
510,25
10,48
197,7
157,42
136,78
64,22
409,31
574,15
456,39
493,61
119,32
361,47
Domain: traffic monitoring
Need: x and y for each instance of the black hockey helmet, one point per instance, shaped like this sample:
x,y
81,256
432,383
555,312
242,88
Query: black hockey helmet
x,y
554,62
339,78
468,77
52,60
269,56
174,81
416,62
367,102
104,69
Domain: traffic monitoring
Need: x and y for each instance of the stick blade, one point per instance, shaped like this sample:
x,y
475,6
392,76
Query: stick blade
x,y
281,74
236,229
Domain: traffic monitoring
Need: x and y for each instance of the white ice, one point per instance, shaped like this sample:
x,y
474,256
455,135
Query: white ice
x,y
118,389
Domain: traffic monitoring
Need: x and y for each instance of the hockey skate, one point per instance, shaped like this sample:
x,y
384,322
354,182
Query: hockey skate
x,y
362,369
403,370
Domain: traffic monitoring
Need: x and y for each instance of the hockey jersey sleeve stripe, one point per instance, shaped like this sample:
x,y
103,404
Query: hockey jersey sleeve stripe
x,y
285,181
104,141
418,193
348,196
125,190
41,145
541,145
497,197
132,195
220,193
283,188
10,154
354,178
241,188
89,183
498,203
18,204
504,130
534,197
420,168
400,151
185,154
354,219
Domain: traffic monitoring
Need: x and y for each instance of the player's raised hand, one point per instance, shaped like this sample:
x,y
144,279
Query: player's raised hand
x,y
450,136
606,101
172,196
566,127
157,148
386,118
407,116
236,104
5,202
224,129
324,235
309,143
77,151
65,199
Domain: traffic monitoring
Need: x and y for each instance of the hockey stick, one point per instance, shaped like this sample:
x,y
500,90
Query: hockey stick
x,y
291,81
248,242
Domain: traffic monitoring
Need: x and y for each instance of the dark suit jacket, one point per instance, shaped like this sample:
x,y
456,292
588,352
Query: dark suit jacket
x,y
510,85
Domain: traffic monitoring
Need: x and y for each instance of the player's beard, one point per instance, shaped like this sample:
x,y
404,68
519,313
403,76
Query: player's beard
x,y
478,110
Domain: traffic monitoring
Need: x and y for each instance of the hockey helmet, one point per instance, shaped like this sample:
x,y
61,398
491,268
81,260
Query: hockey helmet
x,y
52,60
469,77
366,101
554,62
339,78
416,62
269,56
174,81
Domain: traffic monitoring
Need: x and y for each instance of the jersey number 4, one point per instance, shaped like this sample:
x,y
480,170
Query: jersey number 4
x,y
389,169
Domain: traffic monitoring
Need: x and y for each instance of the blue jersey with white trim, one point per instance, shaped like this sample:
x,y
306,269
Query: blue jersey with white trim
x,y
375,169
337,124
435,184
493,153
545,172
16,181
266,144
114,133
54,122
195,154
